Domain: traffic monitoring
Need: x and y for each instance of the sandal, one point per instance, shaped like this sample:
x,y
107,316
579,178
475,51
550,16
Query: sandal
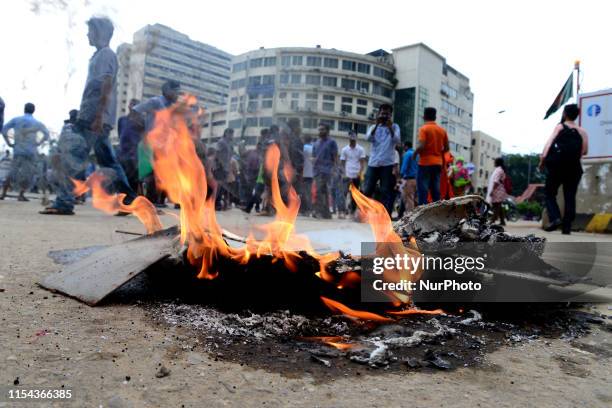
x,y
56,211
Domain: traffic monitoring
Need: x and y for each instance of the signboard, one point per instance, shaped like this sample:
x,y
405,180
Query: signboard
x,y
596,119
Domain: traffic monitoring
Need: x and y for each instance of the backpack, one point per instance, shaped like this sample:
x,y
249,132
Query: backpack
x,y
566,149
508,184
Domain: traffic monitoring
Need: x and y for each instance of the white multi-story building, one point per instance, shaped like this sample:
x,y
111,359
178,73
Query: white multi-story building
x,y
159,53
485,149
342,89
425,79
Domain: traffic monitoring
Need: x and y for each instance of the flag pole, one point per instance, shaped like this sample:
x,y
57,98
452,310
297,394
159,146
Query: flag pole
x,y
577,68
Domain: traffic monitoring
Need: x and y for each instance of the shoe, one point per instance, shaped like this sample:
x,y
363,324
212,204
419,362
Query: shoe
x,y
56,211
553,226
122,214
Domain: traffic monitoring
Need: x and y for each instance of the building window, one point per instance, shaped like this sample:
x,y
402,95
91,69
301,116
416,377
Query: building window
x,y
312,101
254,80
347,104
363,86
282,95
235,124
296,78
349,65
295,95
285,60
296,60
313,61
284,79
256,62
253,105
330,63
361,128
378,89
363,68
251,122
266,103
265,121
294,104
329,103
313,80
269,61
330,81
310,123
362,111
329,122
382,73
363,102
240,66
348,83
345,126
267,80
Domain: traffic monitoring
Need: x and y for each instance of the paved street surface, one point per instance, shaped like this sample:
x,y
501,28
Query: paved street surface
x,y
109,355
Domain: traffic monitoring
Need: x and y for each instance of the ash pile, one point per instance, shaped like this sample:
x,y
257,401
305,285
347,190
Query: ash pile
x,y
329,346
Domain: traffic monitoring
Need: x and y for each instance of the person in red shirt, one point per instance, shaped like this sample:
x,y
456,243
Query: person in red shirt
x,y
432,144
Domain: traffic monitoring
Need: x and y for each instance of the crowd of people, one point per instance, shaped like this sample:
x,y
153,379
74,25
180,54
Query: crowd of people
x,y
398,175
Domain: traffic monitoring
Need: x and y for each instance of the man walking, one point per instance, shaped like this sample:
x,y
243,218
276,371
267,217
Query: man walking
x,y
384,135
325,154
96,117
432,144
561,158
409,174
25,150
130,133
352,158
225,152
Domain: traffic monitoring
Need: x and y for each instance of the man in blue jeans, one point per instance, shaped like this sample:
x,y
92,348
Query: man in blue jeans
x,y
95,120
432,144
384,136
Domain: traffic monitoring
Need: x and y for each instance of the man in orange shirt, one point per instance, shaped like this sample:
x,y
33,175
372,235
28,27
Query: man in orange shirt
x,y
432,144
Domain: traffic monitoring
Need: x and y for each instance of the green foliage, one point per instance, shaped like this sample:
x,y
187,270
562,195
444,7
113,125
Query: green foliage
x,y
529,208
517,166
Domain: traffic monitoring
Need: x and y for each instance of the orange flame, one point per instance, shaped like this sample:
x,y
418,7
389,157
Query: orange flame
x,y
359,314
388,243
182,175
112,203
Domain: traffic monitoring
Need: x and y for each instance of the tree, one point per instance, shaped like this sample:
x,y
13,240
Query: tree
x,y
517,166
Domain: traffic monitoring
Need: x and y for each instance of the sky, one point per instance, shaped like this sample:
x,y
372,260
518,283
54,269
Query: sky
x,y
517,54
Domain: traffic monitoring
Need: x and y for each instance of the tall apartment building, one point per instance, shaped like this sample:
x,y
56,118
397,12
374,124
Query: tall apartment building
x,y
423,78
342,89
159,53
485,149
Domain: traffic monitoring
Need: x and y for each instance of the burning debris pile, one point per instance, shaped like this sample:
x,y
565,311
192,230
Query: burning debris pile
x,y
271,292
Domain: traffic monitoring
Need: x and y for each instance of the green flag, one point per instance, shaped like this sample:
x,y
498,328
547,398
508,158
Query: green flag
x,y
566,92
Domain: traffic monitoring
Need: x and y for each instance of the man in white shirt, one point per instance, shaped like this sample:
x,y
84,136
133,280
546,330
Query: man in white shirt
x,y
352,158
